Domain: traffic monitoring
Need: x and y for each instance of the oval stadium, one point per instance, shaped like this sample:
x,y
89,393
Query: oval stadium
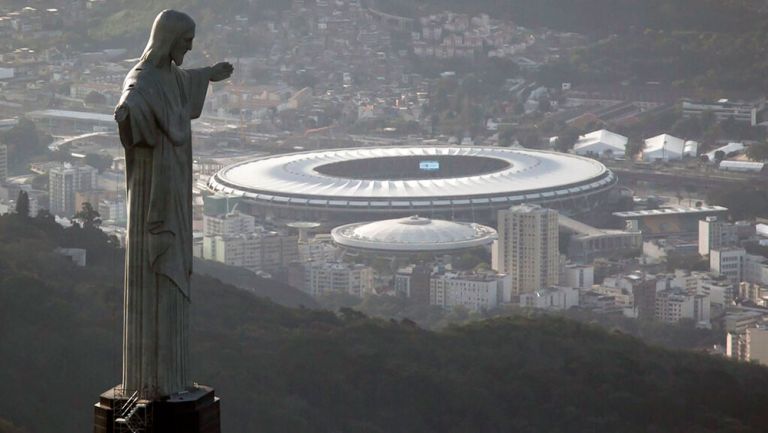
x,y
448,182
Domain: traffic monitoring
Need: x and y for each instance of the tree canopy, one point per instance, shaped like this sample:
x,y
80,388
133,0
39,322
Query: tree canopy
x,y
280,369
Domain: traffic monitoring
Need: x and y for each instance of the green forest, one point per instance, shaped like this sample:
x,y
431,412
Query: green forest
x,y
280,369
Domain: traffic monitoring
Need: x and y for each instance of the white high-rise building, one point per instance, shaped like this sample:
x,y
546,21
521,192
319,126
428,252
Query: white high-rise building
x,y
527,248
3,162
714,234
64,182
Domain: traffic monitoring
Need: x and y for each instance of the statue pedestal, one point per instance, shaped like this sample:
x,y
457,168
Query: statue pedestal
x,y
193,411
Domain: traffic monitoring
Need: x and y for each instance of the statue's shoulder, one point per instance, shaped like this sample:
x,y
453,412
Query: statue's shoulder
x,y
140,77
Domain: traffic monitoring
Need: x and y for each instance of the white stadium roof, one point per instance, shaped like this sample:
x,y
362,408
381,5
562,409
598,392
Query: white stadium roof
x,y
524,176
413,234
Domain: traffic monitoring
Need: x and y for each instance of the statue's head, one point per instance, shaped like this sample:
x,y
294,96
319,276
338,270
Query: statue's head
x,y
172,35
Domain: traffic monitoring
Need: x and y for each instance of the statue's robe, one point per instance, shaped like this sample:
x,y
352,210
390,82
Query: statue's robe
x,y
154,115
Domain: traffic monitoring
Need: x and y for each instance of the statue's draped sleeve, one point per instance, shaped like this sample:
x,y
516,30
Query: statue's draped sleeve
x,y
154,120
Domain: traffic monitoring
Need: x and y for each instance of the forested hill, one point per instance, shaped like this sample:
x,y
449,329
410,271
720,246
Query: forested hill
x,y
298,370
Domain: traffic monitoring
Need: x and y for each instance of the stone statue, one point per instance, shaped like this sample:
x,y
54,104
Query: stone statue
x,y
159,100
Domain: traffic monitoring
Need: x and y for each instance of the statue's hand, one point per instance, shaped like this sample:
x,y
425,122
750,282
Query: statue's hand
x,y
221,71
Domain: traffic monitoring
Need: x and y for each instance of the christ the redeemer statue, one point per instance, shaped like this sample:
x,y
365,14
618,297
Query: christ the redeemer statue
x,y
158,102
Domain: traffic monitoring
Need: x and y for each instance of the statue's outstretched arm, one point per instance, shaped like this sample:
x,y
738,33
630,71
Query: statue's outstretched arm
x,y
221,71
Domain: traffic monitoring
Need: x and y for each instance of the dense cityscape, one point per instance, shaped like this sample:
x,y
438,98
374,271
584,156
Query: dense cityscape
x,y
437,169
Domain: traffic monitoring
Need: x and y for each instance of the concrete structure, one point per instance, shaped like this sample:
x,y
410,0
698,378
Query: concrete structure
x,y
672,221
663,147
259,251
527,248
73,121
64,182
551,298
453,183
476,292
751,345
601,143
715,234
113,210
746,112
734,264
329,277
579,276
588,243
414,282
739,321
755,269
657,250
412,235
78,255
754,293
241,250
728,262
319,248
672,305
229,224
599,303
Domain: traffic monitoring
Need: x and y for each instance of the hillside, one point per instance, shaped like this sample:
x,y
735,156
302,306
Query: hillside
x,y
279,369
600,17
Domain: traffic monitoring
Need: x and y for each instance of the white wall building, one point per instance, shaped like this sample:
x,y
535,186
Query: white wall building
x,y
551,298
724,109
715,234
755,269
476,292
751,345
728,149
579,276
601,143
663,147
527,248
320,248
727,262
260,251
113,210
328,277
230,224
675,304
242,251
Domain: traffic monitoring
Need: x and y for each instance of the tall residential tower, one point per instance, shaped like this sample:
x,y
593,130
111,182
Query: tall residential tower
x,y
527,248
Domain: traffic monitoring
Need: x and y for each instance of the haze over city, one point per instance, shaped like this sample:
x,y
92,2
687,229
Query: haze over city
x,y
386,216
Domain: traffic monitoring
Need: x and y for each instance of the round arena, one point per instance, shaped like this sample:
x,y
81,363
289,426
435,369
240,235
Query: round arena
x,y
447,182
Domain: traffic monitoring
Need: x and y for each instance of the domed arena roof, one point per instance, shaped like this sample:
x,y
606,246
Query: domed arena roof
x,y
413,234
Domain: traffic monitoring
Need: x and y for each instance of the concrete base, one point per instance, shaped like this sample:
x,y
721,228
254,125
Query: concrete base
x,y
193,411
